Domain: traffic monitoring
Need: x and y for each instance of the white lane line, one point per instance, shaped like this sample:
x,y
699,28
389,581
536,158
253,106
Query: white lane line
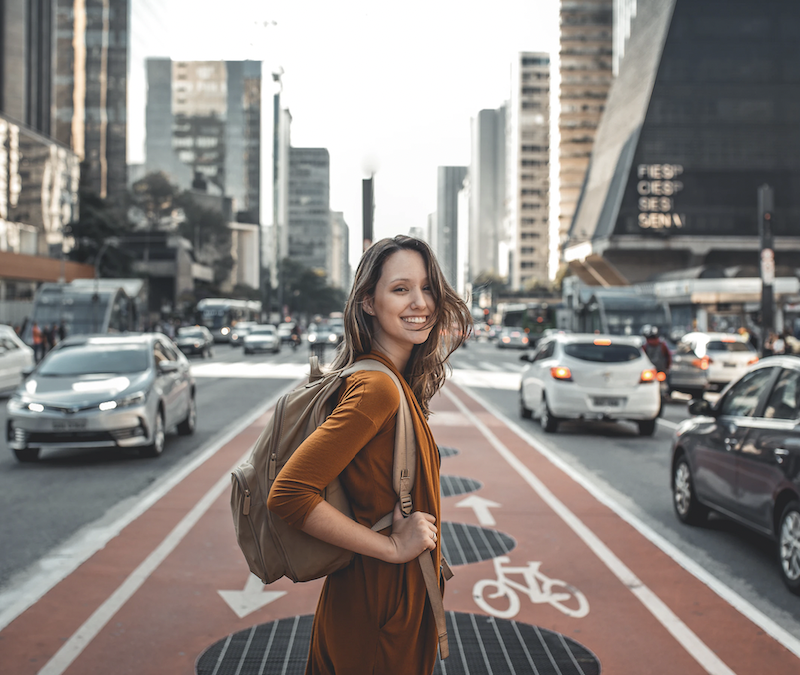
x,y
81,639
696,648
667,423
725,592
490,366
64,560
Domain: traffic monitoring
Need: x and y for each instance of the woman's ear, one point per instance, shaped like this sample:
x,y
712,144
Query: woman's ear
x,y
368,306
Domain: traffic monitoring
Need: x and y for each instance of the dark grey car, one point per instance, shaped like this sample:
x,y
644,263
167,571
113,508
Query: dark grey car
x,y
195,340
103,392
741,458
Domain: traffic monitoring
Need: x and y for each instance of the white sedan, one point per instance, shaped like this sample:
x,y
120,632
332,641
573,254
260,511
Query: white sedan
x,y
16,358
592,377
262,338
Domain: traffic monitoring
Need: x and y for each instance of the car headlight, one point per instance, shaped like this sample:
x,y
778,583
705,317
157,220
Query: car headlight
x,y
312,338
197,345
134,399
332,337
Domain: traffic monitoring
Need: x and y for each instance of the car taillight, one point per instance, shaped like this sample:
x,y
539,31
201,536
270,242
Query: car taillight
x,y
561,373
648,375
703,363
752,361
661,376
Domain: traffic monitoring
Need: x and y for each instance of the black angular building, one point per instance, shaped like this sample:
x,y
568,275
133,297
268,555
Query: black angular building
x,y
704,110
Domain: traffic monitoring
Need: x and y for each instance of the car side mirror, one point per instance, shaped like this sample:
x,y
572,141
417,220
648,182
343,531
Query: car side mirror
x,y
700,407
168,366
27,370
526,357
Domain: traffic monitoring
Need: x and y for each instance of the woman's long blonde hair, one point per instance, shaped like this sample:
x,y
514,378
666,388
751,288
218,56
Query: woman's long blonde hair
x,y
425,371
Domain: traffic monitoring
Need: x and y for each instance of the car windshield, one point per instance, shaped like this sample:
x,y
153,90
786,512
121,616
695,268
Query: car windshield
x,y
91,359
190,332
602,353
262,330
725,346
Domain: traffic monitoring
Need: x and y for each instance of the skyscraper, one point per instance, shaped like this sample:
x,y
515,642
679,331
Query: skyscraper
x,y
487,190
204,127
340,251
528,170
586,75
89,100
309,228
702,113
445,243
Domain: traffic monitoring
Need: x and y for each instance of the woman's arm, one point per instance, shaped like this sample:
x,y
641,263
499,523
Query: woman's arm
x,y
410,536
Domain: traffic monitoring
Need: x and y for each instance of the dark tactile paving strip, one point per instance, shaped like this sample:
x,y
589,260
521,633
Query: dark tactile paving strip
x,y
478,644
456,485
445,451
463,544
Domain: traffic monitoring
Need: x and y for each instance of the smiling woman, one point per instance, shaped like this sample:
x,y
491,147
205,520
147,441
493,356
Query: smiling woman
x,y
403,313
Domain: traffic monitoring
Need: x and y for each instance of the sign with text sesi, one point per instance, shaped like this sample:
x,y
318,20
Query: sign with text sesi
x,y
657,186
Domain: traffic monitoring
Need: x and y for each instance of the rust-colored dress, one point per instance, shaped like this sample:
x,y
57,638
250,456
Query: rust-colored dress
x,y
372,617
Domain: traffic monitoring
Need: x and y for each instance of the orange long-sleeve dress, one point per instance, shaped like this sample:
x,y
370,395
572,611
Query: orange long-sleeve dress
x,y
372,617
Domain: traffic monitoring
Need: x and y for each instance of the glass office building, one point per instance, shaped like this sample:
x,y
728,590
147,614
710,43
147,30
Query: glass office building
x,y
705,109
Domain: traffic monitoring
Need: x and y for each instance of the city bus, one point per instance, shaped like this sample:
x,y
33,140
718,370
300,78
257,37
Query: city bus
x,y
533,317
219,315
91,306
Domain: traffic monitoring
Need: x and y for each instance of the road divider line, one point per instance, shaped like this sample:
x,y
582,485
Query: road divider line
x,y
695,647
740,604
66,558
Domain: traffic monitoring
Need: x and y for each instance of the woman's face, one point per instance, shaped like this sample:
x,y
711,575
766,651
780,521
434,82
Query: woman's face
x,y
403,304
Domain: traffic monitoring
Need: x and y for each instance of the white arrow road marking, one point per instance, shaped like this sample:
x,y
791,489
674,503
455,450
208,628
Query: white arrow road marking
x,y
481,507
252,598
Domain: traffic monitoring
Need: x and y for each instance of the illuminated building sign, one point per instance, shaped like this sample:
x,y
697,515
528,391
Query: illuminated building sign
x,y
658,186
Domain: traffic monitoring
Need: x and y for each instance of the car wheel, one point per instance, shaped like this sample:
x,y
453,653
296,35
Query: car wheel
x,y
206,353
684,499
548,421
525,413
789,546
159,438
646,427
187,427
27,455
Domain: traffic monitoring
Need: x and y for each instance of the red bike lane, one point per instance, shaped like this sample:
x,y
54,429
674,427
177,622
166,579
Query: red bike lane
x,y
150,601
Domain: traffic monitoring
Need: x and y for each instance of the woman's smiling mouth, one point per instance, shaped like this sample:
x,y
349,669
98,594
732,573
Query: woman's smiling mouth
x,y
414,319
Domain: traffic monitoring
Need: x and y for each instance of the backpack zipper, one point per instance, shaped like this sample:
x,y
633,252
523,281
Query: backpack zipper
x,y
240,478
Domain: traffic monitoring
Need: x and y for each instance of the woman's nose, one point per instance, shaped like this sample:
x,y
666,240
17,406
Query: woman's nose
x,y
417,298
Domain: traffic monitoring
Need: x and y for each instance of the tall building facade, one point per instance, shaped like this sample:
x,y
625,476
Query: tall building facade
x,y
340,252
450,180
309,224
702,113
39,177
586,28
89,95
203,126
487,191
528,170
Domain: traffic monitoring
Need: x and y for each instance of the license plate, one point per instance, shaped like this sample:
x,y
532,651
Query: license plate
x,y
69,425
608,402
729,365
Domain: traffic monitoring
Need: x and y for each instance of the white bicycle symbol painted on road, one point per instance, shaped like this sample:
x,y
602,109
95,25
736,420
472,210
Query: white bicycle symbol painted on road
x,y
539,588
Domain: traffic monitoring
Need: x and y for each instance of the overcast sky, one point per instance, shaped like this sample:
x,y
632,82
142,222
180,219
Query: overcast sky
x,y
387,86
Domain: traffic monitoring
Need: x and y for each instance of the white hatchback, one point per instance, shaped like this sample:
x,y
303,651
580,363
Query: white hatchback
x,y
708,361
16,358
591,377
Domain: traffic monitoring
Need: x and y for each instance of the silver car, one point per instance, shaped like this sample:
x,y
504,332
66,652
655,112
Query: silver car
x,y
104,391
709,361
262,338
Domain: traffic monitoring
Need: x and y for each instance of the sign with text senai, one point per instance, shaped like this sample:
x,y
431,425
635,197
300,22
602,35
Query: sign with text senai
x,y
658,186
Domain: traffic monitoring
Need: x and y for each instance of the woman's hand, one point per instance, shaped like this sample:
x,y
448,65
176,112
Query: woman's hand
x,y
411,536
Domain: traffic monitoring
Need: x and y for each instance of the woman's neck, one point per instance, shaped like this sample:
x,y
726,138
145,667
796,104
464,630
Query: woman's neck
x,y
396,354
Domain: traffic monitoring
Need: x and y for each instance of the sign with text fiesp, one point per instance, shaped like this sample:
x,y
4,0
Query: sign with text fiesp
x,y
657,186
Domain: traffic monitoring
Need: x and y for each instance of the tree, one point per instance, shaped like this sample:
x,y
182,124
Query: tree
x,y
209,233
154,196
99,221
305,291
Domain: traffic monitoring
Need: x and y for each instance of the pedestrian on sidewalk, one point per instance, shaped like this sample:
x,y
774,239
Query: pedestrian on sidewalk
x,y
373,616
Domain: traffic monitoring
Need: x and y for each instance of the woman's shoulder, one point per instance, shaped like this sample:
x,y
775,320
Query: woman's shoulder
x,y
374,388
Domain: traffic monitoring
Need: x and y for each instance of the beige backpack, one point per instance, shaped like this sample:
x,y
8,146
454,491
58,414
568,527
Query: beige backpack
x,y
274,549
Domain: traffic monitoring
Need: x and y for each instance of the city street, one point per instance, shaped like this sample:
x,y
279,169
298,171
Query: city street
x,y
108,557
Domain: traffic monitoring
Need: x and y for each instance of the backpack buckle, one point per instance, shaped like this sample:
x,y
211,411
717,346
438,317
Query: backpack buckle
x,y
405,504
